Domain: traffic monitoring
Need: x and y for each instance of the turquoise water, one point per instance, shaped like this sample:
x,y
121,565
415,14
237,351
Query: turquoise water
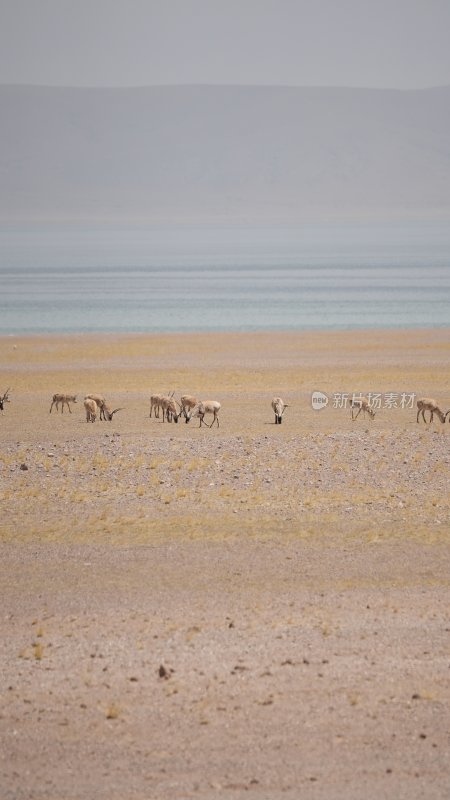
x,y
73,279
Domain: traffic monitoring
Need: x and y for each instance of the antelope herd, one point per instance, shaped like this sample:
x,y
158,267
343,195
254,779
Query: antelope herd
x,y
189,407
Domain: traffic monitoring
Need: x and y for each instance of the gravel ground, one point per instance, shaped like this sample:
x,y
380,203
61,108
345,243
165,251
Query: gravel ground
x,y
326,483
269,669
249,611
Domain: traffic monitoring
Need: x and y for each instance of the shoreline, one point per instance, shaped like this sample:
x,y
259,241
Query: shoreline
x,y
225,331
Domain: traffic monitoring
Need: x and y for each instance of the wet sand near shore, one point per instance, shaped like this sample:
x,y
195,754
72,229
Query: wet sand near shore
x,y
254,610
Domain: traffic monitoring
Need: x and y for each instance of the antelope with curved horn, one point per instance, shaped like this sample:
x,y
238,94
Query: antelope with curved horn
x,y
105,411
3,400
169,408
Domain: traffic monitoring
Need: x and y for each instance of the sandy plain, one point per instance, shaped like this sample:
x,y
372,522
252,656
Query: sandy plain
x,y
246,611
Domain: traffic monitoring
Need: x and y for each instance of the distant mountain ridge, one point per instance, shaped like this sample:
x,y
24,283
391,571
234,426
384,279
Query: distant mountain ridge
x,y
225,153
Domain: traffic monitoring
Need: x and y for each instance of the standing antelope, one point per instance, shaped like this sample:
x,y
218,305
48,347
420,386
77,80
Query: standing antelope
x,y
105,411
427,404
155,403
64,399
278,406
3,400
362,404
207,407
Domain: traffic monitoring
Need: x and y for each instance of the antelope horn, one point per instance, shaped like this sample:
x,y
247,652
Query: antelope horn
x,y
116,410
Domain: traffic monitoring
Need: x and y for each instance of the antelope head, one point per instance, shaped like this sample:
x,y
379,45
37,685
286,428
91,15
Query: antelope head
x,y
180,411
4,399
110,414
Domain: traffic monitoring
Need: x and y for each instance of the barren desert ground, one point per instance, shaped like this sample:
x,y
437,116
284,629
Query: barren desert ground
x,y
250,611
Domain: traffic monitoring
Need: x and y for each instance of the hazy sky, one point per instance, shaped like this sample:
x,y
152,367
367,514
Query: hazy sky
x,y
371,43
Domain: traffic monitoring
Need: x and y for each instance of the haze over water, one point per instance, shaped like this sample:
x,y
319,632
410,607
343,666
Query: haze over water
x,y
155,280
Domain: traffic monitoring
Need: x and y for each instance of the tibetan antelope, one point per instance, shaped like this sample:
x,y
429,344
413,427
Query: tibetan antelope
x,y
207,407
427,404
64,399
155,403
188,403
90,407
105,411
278,406
3,400
362,404
169,409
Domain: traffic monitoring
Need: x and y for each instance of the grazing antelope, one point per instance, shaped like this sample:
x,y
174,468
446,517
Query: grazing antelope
x,y
3,400
427,404
169,408
362,404
105,411
188,403
91,409
207,407
278,406
64,399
